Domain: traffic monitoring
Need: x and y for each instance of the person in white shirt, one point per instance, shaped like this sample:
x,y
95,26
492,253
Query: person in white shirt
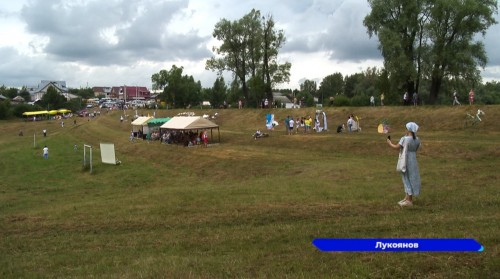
x,y
350,122
46,152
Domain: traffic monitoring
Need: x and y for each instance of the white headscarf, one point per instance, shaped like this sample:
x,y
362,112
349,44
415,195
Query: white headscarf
x,y
412,127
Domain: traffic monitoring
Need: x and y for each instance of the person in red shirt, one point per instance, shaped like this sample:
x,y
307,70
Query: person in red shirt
x,y
471,97
204,138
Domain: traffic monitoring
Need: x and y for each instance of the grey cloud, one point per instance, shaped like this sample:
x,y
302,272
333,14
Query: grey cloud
x,y
491,42
346,36
75,33
17,70
336,28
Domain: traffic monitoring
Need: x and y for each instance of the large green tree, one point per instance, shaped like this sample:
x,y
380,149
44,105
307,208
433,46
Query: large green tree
x,y
397,25
232,52
84,93
308,90
331,86
179,90
219,92
249,50
452,30
272,71
430,39
52,99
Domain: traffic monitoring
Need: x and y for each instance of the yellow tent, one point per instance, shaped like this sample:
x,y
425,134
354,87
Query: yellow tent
x,y
64,111
31,113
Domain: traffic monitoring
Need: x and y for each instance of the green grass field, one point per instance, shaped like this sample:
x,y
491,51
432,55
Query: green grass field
x,y
247,208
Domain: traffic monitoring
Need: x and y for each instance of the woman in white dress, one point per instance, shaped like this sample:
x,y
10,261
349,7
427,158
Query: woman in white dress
x,y
411,175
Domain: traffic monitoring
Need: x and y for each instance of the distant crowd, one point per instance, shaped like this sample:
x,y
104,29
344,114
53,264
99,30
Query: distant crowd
x,y
185,138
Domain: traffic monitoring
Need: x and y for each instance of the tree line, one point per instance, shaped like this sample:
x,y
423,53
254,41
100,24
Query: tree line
x,y
428,47
50,101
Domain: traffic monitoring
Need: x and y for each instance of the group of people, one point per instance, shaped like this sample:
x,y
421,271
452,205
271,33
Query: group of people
x,y
372,100
414,99
407,101
305,123
185,138
408,146
457,102
352,125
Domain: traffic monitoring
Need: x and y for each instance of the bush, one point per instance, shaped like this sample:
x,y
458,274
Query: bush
x,y
4,109
360,101
18,110
341,101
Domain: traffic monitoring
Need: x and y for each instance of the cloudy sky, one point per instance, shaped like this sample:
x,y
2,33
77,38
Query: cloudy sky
x,y
117,42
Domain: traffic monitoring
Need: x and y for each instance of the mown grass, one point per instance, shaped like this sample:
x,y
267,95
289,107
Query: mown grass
x,y
247,208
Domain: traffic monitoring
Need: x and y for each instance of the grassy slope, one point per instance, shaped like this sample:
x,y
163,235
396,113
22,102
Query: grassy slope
x,y
247,208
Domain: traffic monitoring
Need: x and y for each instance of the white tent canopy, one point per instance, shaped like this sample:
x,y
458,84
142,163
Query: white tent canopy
x,y
190,123
141,121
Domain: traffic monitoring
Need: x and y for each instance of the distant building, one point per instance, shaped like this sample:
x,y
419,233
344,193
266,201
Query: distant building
x,y
102,91
37,92
127,93
18,100
283,100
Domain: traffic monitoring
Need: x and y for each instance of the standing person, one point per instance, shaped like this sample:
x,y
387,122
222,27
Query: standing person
x,y
406,99
350,121
287,124
308,123
372,101
316,124
382,97
325,126
297,125
62,124
46,152
415,99
132,136
204,138
455,98
44,133
291,124
411,175
471,96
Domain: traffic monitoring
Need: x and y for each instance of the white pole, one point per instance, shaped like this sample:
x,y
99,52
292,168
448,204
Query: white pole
x,y
90,159
85,146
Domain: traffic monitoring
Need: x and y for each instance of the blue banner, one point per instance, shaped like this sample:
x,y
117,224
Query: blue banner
x,y
397,245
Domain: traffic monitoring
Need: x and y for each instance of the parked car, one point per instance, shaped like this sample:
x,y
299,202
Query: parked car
x,y
83,113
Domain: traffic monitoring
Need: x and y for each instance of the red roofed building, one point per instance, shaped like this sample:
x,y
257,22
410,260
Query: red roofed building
x,y
130,93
